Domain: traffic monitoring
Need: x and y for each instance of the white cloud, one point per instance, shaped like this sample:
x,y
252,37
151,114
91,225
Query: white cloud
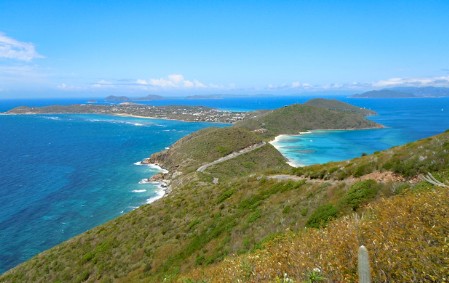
x,y
103,84
176,78
431,81
296,85
68,87
141,82
441,81
172,81
17,50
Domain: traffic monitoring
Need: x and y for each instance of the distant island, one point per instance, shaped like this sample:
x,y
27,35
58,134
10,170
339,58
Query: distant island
x,y
405,92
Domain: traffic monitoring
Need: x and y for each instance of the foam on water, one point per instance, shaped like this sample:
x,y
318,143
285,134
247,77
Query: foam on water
x,y
160,193
139,191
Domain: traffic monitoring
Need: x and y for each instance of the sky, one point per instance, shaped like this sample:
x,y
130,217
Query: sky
x,y
94,48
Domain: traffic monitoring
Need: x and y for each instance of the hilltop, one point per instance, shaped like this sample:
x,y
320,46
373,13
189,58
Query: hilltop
x,y
332,104
405,92
315,114
384,93
256,201
149,97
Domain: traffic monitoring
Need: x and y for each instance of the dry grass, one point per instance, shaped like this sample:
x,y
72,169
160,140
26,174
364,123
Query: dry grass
x,y
406,236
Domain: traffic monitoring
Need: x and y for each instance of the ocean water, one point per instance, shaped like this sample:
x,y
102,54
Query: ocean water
x,y
61,175
405,120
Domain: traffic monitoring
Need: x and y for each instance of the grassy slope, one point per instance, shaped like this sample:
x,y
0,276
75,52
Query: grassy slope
x,y
200,223
204,146
332,104
302,117
402,221
406,237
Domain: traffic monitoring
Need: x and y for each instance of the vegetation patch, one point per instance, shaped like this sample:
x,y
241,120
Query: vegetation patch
x,y
322,215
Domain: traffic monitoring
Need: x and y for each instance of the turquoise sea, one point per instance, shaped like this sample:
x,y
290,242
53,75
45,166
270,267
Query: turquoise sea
x,y
405,120
61,175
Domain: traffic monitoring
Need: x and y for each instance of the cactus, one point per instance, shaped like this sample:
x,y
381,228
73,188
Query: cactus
x,y
364,268
431,179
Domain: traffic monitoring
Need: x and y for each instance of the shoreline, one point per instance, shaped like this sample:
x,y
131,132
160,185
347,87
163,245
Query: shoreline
x,y
113,114
290,162
162,187
144,117
158,118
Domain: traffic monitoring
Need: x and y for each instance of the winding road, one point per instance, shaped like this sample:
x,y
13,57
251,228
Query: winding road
x,y
231,156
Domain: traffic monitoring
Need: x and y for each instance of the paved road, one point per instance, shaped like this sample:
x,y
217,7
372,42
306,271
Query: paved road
x,y
232,155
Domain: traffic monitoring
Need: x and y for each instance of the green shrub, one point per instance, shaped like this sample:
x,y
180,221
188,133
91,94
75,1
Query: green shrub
x,y
322,215
359,194
304,211
225,195
287,209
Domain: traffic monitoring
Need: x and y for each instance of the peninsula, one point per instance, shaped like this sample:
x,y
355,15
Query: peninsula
x,y
182,113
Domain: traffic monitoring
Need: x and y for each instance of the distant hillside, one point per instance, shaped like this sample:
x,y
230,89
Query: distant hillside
x,y
113,98
384,93
425,91
405,92
332,104
298,118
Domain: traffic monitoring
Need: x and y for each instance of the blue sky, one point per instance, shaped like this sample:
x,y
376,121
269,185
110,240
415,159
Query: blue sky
x,y
95,48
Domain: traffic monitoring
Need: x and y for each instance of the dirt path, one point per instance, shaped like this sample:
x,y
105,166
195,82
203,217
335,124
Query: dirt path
x,y
284,177
231,156
380,177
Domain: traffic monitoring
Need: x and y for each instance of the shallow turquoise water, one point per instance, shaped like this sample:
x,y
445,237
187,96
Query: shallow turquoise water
x,y
61,175
406,120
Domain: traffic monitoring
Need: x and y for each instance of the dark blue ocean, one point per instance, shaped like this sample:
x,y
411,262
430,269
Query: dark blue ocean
x,y
61,175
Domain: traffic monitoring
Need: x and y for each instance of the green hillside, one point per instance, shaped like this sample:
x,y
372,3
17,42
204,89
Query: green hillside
x,y
298,118
204,146
332,104
199,224
251,202
406,237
